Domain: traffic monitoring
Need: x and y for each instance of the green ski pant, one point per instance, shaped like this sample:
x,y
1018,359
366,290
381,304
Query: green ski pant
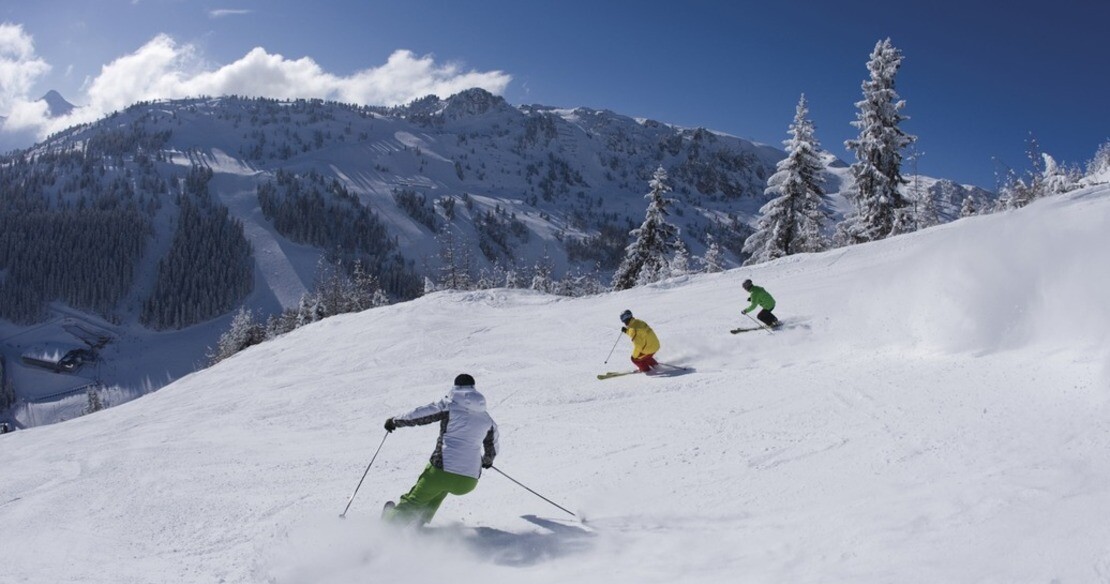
x,y
420,504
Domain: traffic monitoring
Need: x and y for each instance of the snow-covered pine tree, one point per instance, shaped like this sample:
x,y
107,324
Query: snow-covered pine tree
x,y
310,310
1018,191
1058,179
880,209
243,332
645,259
680,261
969,207
543,274
512,277
924,200
380,298
1098,168
94,403
277,325
366,289
454,261
714,259
793,220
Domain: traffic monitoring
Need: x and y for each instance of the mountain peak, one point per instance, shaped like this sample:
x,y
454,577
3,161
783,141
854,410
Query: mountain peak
x,y
474,101
56,104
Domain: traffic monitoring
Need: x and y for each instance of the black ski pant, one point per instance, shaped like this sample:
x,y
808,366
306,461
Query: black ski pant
x,y
767,318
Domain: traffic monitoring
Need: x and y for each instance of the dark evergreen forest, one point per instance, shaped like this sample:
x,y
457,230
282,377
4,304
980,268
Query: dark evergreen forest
x,y
209,268
312,210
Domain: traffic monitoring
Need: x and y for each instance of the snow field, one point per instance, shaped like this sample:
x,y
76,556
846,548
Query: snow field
x,y
935,411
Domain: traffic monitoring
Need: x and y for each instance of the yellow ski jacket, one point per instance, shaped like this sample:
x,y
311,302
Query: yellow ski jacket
x,y
644,341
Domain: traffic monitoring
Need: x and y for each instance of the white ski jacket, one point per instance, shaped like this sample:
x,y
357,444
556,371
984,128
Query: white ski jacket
x,y
467,434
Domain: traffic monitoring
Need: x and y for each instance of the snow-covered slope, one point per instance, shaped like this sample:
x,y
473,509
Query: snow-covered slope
x,y
517,189
934,411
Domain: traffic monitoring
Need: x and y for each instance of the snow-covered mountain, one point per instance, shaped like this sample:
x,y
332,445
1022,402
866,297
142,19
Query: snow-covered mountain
x,y
56,104
152,226
935,410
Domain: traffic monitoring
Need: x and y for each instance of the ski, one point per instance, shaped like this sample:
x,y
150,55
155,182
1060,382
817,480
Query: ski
x,y
772,329
616,374
674,369
737,331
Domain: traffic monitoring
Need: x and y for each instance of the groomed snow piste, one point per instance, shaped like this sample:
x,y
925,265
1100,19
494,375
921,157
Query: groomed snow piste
x,y
934,411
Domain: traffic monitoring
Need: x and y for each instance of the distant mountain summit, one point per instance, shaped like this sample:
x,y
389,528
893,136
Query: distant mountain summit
x,y
56,104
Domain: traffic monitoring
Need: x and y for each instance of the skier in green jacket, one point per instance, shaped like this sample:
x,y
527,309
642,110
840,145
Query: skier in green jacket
x,y
760,297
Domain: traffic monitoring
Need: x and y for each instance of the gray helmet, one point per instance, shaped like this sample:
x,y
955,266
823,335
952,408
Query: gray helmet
x,y
747,285
626,316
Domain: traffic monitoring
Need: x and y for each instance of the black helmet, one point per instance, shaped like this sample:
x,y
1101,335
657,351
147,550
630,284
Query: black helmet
x,y
464,380
747,285
626,316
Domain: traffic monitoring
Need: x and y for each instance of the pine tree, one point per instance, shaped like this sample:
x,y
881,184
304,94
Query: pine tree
x,y
645,259
309,310
454,261
243,332
925,207
969,207
794,219
512,277
714,259
1018,192
367,290
880,209
924,200
542,274
680,261
93,404
1098,168
1056,178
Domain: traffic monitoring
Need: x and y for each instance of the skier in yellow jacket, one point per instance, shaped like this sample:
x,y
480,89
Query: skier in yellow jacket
x,y
644,342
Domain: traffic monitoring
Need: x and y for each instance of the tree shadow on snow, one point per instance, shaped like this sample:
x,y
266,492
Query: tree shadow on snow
x,y
530,548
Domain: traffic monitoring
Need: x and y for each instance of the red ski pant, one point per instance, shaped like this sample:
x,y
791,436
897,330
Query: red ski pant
x,y
645,362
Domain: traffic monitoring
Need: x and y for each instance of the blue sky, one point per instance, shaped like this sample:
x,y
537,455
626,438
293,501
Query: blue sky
x,y
978,77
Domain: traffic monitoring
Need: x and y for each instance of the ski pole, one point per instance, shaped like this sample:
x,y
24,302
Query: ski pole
x,y
761,325
533,492
343,515
619,335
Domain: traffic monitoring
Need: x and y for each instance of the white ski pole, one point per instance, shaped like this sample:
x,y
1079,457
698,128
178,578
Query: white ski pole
x,y
343,515
761,325
619,335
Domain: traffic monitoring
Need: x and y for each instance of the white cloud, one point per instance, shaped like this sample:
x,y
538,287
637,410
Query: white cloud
x,y
405,77
164,69
20,69
222,12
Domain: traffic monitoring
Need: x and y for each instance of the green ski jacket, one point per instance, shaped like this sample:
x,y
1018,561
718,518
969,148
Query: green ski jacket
x,y
760,297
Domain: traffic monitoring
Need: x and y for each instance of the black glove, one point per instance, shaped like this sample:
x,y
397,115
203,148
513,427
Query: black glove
x,y
390,425
624,329
487,462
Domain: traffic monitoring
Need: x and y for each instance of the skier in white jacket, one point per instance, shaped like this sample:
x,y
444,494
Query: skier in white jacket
x,y
467,443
